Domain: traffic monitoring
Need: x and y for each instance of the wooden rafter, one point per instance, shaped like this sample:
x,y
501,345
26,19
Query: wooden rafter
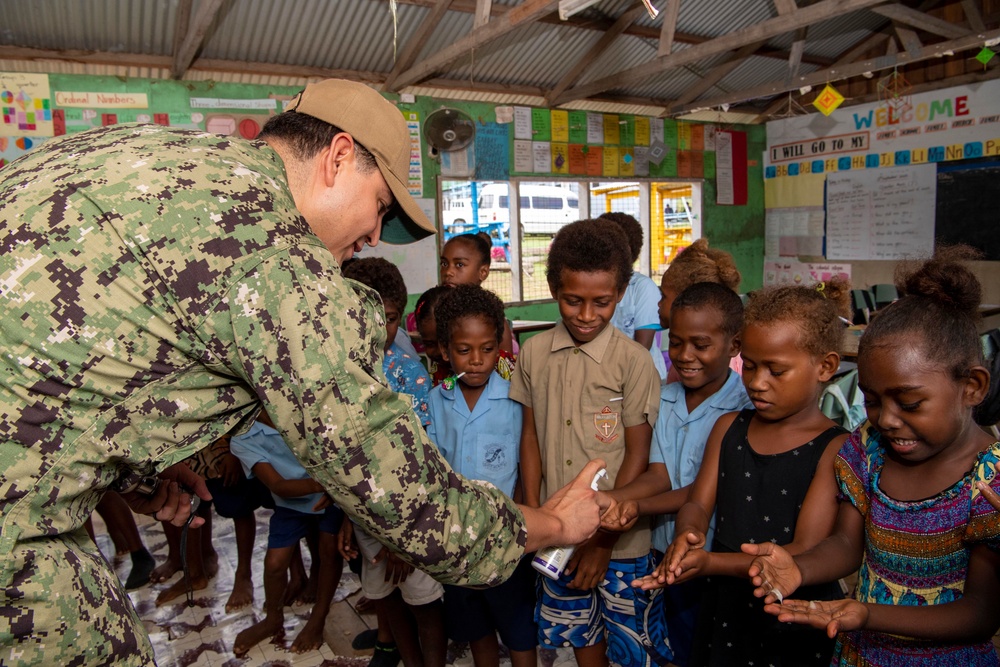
x,y
921,21
798,48
600,47
845,71
973,16
761,31
668,31
908,38
785,6
412,48
635,30
717,74
483,10
194,38
525,13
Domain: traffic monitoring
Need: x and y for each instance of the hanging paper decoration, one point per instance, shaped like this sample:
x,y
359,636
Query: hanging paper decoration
x,y
828,100
894,93
985,56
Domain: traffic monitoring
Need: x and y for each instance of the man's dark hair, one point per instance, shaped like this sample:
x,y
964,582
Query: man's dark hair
x,y
589,246
382,276
468,301
701,296
307,135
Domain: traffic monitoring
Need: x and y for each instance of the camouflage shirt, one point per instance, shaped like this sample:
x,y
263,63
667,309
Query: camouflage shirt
x,y
157,287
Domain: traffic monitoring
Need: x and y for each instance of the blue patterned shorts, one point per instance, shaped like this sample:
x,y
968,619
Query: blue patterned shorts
x,y
614,611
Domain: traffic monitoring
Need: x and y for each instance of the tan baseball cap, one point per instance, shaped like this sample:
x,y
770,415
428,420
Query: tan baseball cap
x,y
378,125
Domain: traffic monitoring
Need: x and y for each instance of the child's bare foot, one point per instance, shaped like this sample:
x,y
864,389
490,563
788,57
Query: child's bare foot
x,y
310,638
271,626
295,588
181,587
164,571
210,561
308,594
242,595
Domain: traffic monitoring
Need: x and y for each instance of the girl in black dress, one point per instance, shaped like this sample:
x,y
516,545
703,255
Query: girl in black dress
x,y
767,475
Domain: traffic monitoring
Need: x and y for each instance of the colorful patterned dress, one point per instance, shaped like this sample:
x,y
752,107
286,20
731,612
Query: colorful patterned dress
x,y
916,553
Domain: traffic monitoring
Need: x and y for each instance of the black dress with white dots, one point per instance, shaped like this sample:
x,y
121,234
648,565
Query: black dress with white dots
x,y
758,500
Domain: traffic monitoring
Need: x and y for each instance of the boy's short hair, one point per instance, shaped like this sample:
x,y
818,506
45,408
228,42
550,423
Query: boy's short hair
x,y
382,276
589,246
713,295
468,301
632,229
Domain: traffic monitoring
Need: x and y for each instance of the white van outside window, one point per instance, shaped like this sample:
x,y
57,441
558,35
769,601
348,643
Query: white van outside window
x,y
544,209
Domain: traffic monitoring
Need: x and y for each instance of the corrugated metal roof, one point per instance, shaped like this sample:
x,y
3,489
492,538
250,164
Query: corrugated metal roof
x,y
361,39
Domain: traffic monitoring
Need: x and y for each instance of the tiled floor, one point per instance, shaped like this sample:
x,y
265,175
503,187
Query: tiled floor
x,y
202,635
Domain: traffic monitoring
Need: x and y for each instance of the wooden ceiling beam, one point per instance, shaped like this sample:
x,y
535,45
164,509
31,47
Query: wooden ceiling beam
x,y
921,21
764,30
194,37
602,45
484,8
845,72
973,15
601,25
798,48
668,31
716,74
527,12
417,41
908,38
785,6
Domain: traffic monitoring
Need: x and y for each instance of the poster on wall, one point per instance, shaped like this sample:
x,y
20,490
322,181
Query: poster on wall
x,y
730,167
943,125
789,272
25,105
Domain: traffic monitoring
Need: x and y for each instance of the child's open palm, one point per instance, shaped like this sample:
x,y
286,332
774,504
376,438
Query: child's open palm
x,y
773,572
832,615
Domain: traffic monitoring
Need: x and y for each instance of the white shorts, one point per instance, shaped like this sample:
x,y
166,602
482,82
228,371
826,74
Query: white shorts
x,y
418,588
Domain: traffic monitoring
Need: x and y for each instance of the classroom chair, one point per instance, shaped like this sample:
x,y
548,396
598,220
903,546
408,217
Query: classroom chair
x,y
863,303
843,402
884,294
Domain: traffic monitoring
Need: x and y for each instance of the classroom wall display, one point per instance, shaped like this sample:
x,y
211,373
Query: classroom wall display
x,y
789,272
888,214
25,105
585,143
940,126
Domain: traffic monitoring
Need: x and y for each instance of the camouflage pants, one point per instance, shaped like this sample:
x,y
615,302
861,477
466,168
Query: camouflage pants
x,y
61,604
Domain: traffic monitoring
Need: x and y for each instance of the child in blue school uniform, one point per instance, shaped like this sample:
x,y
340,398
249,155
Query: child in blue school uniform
x,y
478,428
706,319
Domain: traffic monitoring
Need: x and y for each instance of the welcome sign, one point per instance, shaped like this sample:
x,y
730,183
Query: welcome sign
x,y
951,124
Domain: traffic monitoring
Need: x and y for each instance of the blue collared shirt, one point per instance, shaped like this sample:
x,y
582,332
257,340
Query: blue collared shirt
x,y
640,309
482,443
679,440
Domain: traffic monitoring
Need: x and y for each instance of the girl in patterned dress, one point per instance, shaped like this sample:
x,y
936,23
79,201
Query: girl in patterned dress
x,y
767,474
912,514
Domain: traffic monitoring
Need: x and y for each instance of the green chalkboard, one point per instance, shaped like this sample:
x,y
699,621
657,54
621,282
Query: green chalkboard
x,y
967,210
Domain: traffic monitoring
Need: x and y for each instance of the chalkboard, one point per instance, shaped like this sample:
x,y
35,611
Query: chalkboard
x,y
967,209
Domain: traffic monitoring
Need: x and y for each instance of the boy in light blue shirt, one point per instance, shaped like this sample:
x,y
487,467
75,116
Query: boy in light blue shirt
x,y
478,430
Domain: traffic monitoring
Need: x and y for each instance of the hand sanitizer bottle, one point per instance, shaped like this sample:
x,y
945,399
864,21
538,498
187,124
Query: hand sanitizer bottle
x,y
551,561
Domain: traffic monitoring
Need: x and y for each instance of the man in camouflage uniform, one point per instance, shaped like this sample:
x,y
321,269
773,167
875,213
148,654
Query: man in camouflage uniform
x,y
158,287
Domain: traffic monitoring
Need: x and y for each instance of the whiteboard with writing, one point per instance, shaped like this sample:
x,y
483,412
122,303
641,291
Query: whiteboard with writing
x,y
881,213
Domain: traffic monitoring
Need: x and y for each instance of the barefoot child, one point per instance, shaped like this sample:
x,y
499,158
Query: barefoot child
x,y
398,593
478,428
301,505
767,474
912,513
589,391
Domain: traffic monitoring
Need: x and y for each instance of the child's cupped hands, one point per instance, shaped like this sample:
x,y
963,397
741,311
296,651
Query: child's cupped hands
x,y
684,559
832,615
773,571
